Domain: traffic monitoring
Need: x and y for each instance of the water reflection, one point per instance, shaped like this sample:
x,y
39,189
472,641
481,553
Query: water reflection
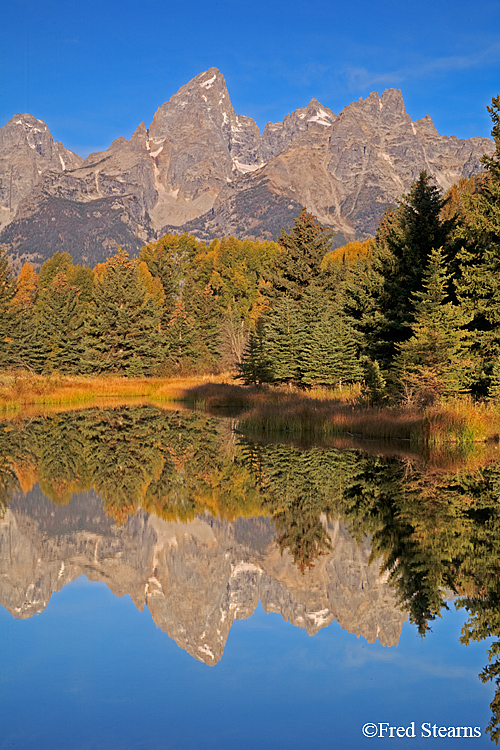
x,y
199,525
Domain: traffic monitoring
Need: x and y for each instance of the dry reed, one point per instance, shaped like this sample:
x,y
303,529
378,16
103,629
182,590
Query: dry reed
x,y
18,391
266,411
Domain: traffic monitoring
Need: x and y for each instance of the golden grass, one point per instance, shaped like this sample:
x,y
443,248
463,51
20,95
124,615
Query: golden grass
x,y
464,421
325,414
317,414
18,391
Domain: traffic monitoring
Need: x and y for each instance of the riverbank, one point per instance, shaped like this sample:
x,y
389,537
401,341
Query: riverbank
x,y
328,414
269,411
19,391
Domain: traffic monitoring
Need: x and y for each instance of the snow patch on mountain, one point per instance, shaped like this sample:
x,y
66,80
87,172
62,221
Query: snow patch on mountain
x,y
208,84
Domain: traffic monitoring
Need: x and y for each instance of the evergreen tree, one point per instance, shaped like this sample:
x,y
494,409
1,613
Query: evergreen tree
x,y
50,335
328,354
123,322
59,325
478,288
6,294
255,364
284,338
202,305
494,381
375,383
299,262
26,350
432,362
405,237
308,338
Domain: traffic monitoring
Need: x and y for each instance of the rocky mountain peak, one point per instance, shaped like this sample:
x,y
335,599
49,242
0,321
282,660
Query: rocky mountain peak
x,y
202,168
387,107
26,130
140,134
27,151
204,100
425,126
315,112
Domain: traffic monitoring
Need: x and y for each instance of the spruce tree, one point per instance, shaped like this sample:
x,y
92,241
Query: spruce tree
x,y
27,347
7,291
123,322
59,325
328,354
299,262
405,237
433,362
63,294
478,288
255,366
284,337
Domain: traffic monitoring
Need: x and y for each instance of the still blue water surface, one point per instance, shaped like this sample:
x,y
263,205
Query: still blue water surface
x,y
93,672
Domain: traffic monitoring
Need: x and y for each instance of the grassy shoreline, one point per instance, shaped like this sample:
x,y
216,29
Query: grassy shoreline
x,y
18,392
267,411
307,415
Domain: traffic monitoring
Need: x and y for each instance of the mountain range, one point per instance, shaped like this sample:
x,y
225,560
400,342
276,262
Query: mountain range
x,y
201,168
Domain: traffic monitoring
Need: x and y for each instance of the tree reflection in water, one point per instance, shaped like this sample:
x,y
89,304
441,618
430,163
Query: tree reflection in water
x,y
436,528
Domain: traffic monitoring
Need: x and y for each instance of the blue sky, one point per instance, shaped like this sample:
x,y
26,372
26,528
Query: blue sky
x,y
94,70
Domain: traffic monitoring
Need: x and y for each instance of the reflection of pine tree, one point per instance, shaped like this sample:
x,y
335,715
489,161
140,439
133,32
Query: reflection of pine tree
x,y
61,457
300,490
125,457
379,502
478,574
17,449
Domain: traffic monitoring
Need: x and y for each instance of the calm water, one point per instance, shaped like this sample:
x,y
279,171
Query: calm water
x,y
166,583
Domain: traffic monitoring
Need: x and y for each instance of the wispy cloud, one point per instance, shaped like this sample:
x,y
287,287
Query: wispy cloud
x,y
362,78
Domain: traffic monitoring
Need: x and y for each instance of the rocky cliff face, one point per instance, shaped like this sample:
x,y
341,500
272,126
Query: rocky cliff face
x,y
200,167
27,152
195,578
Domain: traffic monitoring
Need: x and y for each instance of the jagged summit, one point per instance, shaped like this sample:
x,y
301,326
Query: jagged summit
x,y
201,167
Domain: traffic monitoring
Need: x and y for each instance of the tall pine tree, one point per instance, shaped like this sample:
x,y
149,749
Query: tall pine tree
x,y
433,362
7,291
123,323
307,339
478,287
405,237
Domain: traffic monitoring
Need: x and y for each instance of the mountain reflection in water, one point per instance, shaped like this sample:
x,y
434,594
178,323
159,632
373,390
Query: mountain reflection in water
x,y
200,525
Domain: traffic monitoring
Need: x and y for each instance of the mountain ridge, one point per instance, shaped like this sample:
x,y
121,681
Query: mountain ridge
x,y
202,168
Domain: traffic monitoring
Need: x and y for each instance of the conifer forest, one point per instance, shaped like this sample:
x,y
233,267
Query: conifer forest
x,y
413,314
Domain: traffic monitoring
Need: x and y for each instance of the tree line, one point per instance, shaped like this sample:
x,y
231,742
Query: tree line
x,y
181,306
413,314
